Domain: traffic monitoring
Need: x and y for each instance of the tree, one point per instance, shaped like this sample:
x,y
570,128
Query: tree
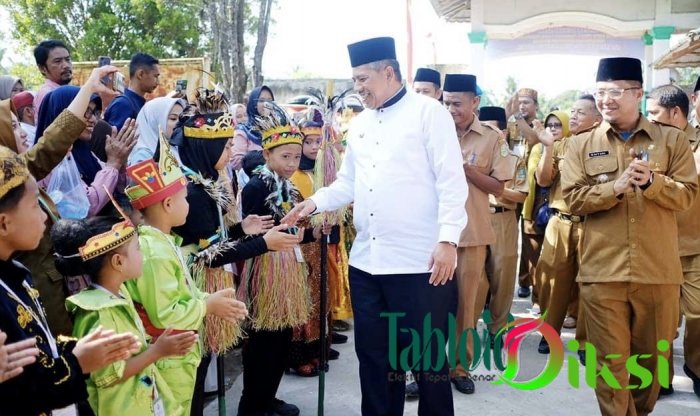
x,y
262,29
228,21
117,28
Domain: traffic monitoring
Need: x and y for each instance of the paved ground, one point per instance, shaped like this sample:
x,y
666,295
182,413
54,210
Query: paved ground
x,y
559,398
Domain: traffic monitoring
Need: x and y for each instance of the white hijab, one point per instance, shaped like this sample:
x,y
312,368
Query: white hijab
x,y
152,118
7,83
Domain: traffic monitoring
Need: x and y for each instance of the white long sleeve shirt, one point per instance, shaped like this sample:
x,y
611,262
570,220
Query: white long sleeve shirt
x,y
403,171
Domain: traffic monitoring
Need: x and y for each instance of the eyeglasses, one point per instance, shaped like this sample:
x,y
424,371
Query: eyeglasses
x,y
89,113
553,125
613,93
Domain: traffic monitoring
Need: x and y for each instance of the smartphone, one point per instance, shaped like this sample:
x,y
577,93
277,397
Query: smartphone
x,y
181,85
102,61
118,82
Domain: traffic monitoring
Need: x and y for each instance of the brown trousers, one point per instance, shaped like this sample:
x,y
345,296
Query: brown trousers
x,y
690,308
556,272
627,319
470,272
501,266
529,254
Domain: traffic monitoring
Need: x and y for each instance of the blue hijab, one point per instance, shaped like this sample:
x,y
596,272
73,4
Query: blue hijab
x,y
53,105
252,110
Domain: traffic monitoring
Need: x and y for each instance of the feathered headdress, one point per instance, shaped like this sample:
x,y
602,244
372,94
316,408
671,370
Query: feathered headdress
x,y
211,101
277,127
325,109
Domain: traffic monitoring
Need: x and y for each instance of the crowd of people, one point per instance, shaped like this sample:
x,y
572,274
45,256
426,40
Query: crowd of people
x,y
141,238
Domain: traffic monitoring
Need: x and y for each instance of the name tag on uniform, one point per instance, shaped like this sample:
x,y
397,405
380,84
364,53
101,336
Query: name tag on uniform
x,y
158,406
598,153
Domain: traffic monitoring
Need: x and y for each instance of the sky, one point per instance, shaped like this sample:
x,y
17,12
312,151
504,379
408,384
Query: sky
x,y
328,26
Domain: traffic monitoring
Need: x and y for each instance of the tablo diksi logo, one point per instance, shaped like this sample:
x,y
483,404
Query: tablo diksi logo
x,y
416,355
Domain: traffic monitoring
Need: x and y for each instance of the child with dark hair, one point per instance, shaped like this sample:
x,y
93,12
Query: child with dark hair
x,y
166,295
273,284
107,250
56,379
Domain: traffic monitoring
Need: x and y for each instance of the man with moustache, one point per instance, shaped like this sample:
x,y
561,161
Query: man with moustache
x,y
54,62
557,267
629,177
669,104
403,172
487,167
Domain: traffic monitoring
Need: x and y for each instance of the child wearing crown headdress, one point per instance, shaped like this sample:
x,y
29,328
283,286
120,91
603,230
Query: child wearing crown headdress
x,y
212,235
107,250
274,284
165,295
54,378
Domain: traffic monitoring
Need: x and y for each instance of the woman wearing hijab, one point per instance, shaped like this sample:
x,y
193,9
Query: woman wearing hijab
x,y
50,149
160,113
95,175
246,137
10,86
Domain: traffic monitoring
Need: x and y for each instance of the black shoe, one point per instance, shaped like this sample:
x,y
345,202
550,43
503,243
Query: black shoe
x,y
282,408
666,391
412,391
337,338
543,348
333,354
340,326
523,292
694,377
582,357
463,385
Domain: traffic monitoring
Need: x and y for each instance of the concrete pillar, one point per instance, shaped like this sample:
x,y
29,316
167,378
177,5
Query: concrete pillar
x,y
662,39
477,45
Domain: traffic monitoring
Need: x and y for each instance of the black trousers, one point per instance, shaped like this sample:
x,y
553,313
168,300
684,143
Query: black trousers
x,y
383,388
265,357
198,395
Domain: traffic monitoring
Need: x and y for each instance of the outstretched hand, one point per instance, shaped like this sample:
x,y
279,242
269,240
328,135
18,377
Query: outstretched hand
x,y
102,347
14,357
256,224
301,210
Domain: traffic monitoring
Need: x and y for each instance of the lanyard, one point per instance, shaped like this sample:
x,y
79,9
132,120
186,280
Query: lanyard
x,y
40,319
183,263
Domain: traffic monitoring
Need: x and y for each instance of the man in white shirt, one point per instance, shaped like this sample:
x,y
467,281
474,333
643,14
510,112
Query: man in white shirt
x,y
403,172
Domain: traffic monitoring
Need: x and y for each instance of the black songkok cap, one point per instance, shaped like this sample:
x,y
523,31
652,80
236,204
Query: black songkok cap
x,y
493,113
619,69
427,75
460,83
371,50
697,85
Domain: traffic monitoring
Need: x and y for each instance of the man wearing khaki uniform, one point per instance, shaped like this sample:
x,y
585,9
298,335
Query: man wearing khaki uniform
x,y
486,166
669,104
629,273
558,265
502,254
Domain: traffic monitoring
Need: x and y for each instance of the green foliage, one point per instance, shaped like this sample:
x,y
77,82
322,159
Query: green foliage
x,y
562,101
118,28
687,77
30,75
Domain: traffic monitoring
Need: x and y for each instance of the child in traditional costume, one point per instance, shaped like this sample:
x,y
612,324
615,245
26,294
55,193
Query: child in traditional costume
x,y
165,295
273,284
57,378
107,250
213,232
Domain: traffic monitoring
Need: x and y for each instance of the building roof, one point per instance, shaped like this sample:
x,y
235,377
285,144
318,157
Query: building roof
x,y
685,54
453,11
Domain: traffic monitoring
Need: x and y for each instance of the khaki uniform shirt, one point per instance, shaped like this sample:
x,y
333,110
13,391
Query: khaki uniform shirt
x,y
517,183
632,238
556,199
482,147
689,220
